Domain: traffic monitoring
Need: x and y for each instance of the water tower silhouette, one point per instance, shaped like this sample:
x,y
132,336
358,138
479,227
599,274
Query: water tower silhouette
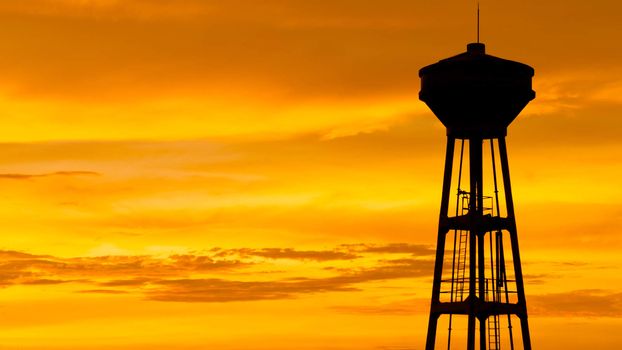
x,y
476,96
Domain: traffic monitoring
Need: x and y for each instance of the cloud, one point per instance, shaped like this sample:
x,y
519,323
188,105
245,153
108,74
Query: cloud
x,y
23,268
396,248
343,252
102,291
401,307
208,277
207,45
219,290
126,282
337,48
57,173
290,253
15,255
279,68
577,303
45,281
232,275
541,278
92,9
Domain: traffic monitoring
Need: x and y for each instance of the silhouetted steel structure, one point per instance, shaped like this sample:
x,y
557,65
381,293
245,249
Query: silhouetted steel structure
x,y
476,96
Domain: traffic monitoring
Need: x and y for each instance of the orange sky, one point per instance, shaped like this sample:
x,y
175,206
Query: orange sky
x,y
261,175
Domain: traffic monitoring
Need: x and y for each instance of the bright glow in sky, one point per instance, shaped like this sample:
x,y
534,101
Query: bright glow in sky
x,y
258,175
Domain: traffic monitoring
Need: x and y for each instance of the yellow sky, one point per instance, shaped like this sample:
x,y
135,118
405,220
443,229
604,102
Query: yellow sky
x,y
261,175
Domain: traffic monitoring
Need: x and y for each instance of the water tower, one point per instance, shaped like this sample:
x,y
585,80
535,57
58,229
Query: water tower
x,y
477,275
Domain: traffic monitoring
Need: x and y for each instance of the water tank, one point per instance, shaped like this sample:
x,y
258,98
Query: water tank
x,y
475,94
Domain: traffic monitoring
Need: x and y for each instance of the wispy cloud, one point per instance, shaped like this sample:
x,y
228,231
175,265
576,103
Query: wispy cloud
x,y
102,291
578,303
14,176
227,275
401,307
213,276
414,249
290,253
220,290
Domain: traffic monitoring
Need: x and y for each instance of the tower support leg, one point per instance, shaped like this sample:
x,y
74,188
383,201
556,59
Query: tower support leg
x,y
518,271
440,245
482,334
475,242
432,325
482,270
525,330
471,332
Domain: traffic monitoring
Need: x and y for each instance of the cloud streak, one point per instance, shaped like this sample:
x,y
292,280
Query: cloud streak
x,y
290,253
213,276
218,290
54,174
578,303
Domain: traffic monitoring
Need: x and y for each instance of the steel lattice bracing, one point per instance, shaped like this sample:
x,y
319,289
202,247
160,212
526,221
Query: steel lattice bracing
x,y
478,284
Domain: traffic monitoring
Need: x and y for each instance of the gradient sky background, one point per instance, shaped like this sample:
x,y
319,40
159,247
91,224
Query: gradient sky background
x,y
259,175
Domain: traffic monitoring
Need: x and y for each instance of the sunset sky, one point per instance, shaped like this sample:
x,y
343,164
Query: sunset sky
x,y
250,174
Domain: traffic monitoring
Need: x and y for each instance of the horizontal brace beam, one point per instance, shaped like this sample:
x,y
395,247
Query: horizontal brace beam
x,y
481,309
475,223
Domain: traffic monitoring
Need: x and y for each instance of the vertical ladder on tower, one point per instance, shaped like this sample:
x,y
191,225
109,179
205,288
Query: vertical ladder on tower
x,y
494,336
461,258
494,329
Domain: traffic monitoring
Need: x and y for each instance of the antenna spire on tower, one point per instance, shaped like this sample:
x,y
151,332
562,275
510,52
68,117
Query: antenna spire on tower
x,y
478,22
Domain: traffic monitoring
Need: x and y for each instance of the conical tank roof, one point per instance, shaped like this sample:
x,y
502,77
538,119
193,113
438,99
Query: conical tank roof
x,y
475,94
